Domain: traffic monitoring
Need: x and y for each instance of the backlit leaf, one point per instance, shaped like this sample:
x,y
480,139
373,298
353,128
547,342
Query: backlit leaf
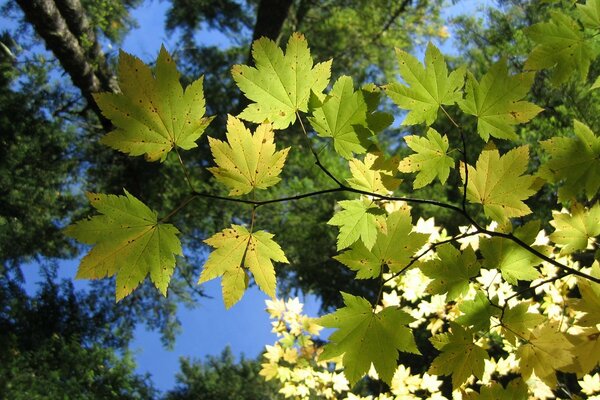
x,y
546,351
357,220
498,183
364,337
574,230
393,248
589,14
129,242
238,250
561,46
497,102
246,161
460,357
515,262
574,163
153,114
451,271
427,87
374,174
431,159
280,84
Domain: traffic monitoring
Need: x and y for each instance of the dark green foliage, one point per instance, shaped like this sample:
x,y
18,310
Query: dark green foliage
x,y
59,343
221,378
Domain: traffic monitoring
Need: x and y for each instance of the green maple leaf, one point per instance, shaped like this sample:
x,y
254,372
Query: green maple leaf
x,y
560,46
516,389
357,220
431,159
546,351
590,299
498,184
280,84
589,14
393,248
152,114
236,249
364,337
427,88
347,118
497,102
129,242
586,349
517,322
374,174
459,357
511,259
246,162
574,230
574,162
451,271
477,312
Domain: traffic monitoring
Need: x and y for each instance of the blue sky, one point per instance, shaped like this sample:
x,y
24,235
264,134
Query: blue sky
x,y
207,329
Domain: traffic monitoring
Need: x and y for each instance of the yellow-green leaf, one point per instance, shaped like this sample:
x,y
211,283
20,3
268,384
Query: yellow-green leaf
x,y
393,248
460,357
574,230
129,242
153,114
498,183
561,46
546,351
280,84
238,250
431,159
246,161
357,220
574,163
374,174
497,102
364,337
427,87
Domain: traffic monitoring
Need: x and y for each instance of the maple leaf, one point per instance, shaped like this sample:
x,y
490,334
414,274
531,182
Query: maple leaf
x,y
451,271
348,118
236,249
364,337
561,46
574,162
459,356
393,248
498,184
427,88
246,162
477,312
129,242
516,389
590,298
574,230
497,103
586,349
152,114
546,351
431,159
357,220
513,261
280,84
374,174
589,14
517,322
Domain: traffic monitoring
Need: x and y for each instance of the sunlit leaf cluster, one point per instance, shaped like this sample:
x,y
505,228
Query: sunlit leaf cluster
x,y
506,307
